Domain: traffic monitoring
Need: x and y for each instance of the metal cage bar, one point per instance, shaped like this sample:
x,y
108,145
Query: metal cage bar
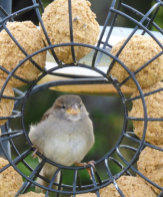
x,y
8,135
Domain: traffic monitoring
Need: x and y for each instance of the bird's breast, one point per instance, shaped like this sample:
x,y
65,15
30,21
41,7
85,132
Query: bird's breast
x,y
66,149
69,145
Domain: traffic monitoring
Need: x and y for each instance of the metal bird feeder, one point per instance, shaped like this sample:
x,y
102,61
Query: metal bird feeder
x,y
143,24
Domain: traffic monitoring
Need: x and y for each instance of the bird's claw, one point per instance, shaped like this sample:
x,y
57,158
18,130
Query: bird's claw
x,y
84,164
34,152
91,163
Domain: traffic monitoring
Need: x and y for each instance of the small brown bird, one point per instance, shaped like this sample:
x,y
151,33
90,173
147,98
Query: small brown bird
x,y
64,135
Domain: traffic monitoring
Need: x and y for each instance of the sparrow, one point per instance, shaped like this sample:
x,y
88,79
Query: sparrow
x,y
64,135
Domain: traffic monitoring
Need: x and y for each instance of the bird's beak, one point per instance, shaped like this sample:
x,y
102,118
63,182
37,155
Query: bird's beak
x,y
74,110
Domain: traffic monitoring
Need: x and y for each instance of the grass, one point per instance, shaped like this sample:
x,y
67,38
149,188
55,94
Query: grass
x,y
32,162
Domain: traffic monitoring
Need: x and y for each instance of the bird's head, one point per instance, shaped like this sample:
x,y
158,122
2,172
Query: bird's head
x,y
70,107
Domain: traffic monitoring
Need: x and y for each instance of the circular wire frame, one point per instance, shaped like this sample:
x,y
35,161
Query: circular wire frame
x,y
145,22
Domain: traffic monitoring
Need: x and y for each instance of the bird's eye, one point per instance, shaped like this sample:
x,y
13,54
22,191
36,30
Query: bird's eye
x,y
63,106
80,105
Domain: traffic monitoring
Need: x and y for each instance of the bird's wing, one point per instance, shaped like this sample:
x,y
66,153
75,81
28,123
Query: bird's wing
x,y
47,113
